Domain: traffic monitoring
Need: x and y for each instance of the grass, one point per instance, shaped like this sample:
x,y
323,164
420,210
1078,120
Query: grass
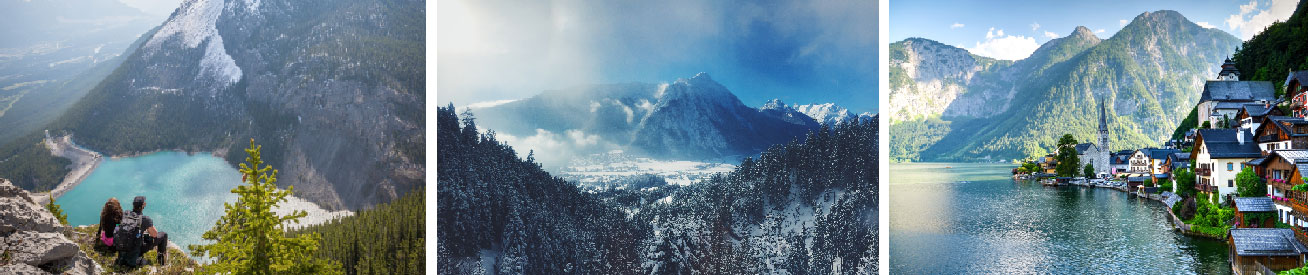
x,y
178,262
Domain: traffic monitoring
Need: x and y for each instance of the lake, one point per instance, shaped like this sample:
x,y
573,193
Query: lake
x,y
184,193
973,218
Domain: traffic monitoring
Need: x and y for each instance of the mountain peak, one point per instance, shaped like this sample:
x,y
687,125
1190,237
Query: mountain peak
x,y
774,104
702,76
1082,31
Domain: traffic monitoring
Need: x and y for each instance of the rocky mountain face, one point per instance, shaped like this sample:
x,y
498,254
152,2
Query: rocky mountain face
x,y
947,104
333,90
694,118
33,240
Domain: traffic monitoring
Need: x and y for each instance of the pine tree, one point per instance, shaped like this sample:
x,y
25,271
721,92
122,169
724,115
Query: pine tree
x,y
251,239
54,209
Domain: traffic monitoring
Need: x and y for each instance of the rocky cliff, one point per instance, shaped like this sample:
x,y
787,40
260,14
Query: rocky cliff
x,y
32,241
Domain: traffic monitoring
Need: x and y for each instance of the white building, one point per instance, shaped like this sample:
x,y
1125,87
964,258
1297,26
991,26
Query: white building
x,y
1218,155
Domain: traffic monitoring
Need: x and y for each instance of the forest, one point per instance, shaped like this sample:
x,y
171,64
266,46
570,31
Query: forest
x,y
805,207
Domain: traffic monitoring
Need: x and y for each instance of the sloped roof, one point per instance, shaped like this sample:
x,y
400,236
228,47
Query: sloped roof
x,y
1237,91
1221,143
1254,204
1302,76
1290,155
1266,242
1256,109
1170,199
1081,148
1232,105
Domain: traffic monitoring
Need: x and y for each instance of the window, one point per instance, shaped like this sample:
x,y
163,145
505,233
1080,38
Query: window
x,y
1230,166
1230,183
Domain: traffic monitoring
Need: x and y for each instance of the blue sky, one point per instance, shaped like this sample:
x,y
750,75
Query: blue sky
x,y
1014,29
799,51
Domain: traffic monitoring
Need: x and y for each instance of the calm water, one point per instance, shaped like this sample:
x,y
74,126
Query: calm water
x,y
973,218
184,193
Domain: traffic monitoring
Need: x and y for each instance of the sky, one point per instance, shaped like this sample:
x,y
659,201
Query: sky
x,y
799,51
1012,30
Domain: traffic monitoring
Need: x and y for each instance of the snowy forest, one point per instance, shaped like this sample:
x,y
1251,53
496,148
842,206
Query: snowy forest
x,y
805,207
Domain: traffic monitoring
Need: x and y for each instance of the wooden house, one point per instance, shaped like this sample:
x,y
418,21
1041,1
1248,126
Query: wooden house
x,y
1254,212
1253,250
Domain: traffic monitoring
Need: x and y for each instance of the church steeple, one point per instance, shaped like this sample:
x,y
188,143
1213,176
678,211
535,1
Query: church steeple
x,y
1103,126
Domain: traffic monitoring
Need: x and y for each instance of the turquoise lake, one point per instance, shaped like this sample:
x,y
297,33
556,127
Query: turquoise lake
x,y
184,193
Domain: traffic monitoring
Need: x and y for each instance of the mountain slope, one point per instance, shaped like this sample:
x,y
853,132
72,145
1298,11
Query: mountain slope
x,y
334,89
694,118
1268,55
1149,73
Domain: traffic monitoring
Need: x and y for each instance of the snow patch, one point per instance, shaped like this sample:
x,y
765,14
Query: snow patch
x,y
315,214
196,22
488,104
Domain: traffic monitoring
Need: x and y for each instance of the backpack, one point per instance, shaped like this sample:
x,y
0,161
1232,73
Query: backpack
x,y
127,236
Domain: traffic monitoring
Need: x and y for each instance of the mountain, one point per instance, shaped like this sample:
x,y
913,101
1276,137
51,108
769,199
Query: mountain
x,y
334,89
801,207
948,104
694,118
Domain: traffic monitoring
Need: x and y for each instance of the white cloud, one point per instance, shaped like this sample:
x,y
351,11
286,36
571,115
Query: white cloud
x,y
1051,35
1122,22
1251,20
956,25
554,149
1100,31
1035,26
1000,46
1205,25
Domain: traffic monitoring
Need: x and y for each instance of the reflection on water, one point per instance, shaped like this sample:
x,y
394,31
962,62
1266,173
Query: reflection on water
x,y
967,218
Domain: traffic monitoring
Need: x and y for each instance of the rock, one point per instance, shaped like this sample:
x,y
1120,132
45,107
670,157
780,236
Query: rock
x,y
35,240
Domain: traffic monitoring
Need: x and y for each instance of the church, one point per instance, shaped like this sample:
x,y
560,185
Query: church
x,y
1097,154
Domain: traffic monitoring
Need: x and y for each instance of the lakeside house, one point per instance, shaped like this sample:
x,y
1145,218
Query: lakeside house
x,y
1294,89
1253,115
1121,161
1249,208
1254,249
1219,154
1282,132
1281,169
1175,161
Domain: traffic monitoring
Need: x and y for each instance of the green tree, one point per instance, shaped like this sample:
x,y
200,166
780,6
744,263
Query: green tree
x,y
251,239
1248,184
1149,182
1184,183
1207,125
54,209
1067,159
1089,170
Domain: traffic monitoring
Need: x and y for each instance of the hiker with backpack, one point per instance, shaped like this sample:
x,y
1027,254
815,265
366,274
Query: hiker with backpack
x,y
136,234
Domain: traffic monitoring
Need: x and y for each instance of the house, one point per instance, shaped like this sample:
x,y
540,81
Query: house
x,y
1282,170
1247,208
1273,248
1231,95
1219,155
1121,161
1282,132
1250,116
1295,88
1175,161
1048,163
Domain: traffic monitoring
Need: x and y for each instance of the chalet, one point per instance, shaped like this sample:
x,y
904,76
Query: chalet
x,y
1252,249
1248,208
1048,163
1250,116
1222,99
1121,161
1295,88
1282,132
1282,170
1219,155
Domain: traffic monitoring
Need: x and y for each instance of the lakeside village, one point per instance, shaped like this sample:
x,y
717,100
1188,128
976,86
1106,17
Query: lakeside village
x,y
1237,177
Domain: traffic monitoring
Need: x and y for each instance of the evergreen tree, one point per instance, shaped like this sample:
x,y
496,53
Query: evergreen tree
x,y
1089,170
1067,158
251,239
56,210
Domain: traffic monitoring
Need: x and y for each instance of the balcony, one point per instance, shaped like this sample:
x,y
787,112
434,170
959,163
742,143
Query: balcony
x,y
1207,188
1300,234
1297,200
1203,172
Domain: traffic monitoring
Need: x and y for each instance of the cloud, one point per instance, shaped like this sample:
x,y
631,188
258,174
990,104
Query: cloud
x,y
1000,46
956,25
556,149
1051,35
1256,16
1035,26
1205,25
1100,31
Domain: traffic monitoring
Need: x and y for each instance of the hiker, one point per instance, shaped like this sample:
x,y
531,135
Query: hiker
x,y
110,216
136,234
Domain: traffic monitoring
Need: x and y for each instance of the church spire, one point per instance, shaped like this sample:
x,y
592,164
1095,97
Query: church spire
x,y
1103,124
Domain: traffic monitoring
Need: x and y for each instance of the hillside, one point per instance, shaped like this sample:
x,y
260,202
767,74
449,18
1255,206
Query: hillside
x,y
800,207
336,87
388,239
1277,50
1149,74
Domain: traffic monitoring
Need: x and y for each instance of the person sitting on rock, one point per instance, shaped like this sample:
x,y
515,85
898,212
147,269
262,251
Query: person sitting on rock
x,y
110,216
136,234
